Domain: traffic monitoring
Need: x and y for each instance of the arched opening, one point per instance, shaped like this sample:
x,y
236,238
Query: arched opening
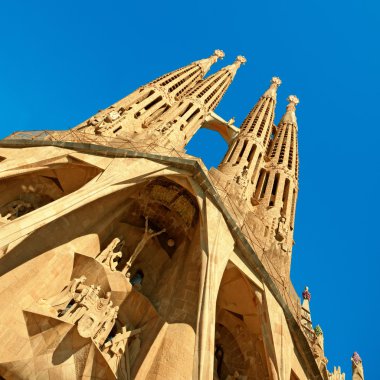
x,y
24,193
239,343
216,147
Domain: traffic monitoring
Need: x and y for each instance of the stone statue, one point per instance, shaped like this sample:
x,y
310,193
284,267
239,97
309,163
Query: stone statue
x,y
94,316
282,230
15,209
111,255
107,324
122,356
61,300
148,234
357,367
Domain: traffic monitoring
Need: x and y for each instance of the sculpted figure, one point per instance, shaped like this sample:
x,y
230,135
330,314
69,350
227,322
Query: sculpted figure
x,y
112,252
148,234
15,209
122,356
87,297
62,299
107,324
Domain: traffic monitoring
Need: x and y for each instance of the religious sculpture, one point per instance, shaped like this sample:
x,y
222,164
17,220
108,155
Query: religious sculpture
x,y
111,255
122,356
15,209
60,301
81,304
148,234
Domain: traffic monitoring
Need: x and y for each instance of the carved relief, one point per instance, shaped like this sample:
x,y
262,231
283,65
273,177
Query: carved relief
x,y
80,304
112,254
122,351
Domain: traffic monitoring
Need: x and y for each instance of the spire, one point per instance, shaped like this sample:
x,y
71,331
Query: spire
x,y
357,367
246,154
305,314
205,64
180,123
136,111
290,114
284,148
211,90
179,81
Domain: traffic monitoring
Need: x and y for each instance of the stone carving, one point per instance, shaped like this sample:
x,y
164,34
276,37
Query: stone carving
x,y
231,121
122,356
112,116
107,324
15,209
148,234
61,300
112,254
282,230
81,304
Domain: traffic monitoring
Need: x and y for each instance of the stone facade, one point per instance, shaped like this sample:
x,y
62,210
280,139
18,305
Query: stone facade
x,y
122,257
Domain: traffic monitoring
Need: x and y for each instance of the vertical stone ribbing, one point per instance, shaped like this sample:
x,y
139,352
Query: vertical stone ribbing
x,y
244,158
176,127
131,115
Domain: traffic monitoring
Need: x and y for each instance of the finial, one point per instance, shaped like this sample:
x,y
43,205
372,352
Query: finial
x,y
205,64
306,294
234,67
290,115
241,59
318,330
219,53
272,90
356,358
292,99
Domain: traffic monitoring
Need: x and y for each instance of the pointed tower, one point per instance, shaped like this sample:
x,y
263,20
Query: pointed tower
x,y
176,127
131,115
276,191
245,156
357,367
306,315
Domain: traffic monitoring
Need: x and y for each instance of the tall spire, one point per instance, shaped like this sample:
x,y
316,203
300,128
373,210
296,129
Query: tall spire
x,y
134,113
179,81
176,127
306,315
357,367
245,155
284,148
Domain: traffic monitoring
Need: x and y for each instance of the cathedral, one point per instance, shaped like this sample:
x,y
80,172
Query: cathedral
x,y
124,257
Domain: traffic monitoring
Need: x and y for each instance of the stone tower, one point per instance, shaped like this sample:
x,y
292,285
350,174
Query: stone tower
x,y
123,257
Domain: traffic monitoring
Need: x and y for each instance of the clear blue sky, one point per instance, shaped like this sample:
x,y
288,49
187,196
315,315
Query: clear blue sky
x,y
62,61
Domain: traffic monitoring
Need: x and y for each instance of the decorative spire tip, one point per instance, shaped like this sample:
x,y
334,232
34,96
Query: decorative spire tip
x,y
241,59
306,294
219,53
356,358
276,80
293,99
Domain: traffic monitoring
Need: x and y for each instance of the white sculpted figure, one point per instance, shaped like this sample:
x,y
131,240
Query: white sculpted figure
x,y
148,234
107,324
61,300
110,256
122,356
